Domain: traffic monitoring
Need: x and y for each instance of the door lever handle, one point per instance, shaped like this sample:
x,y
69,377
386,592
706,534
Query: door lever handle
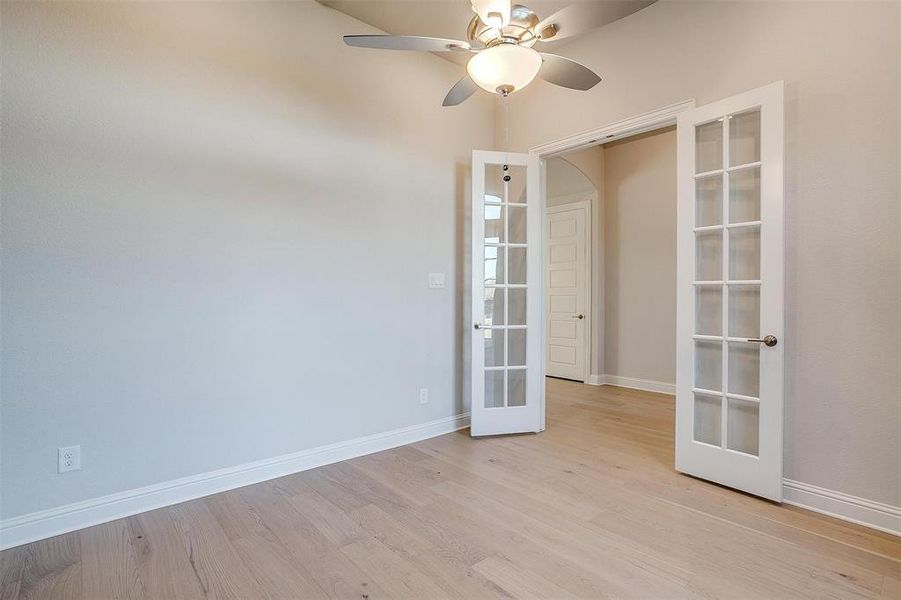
x,y
578,316
768,341
478,326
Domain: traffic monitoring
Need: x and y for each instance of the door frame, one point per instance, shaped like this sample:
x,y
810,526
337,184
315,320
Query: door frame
x,y
582,200
642,123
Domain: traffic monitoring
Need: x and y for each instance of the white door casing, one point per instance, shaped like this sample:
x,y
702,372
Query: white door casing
x,y
506,294
567,287
729,388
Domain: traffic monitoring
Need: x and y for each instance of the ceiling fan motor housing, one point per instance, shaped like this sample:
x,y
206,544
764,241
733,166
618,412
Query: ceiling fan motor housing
x,y
519,30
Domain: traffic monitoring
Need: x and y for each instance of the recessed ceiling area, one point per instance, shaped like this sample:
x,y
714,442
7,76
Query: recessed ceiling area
x,y
449,18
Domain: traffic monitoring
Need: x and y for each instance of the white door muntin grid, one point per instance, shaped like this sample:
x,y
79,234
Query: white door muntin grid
x,y
730,277
510,403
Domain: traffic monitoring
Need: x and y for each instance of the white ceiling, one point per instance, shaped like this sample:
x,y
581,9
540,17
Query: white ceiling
x,y
437,18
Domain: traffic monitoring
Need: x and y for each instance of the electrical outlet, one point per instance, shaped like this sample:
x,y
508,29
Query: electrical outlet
x,y
424,396
436,281
70,459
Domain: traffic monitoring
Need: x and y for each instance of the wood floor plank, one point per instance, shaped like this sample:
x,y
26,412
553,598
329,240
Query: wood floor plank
x,y
108,562
397,576
12,565
464,547
458,580
891,586
543,539
487,466
339,494
237,517
219,568
407,479
445,563
332,571
335,524
590,508
383,527
164,567
527,585
276,570
53,569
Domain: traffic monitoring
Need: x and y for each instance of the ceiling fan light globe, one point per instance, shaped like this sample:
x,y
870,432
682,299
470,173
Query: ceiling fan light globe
x,y
504,68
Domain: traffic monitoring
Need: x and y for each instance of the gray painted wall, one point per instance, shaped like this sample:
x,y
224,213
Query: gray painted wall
x,y
217,225
640,250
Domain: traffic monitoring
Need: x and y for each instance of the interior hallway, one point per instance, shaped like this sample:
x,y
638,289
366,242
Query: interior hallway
x,y
590,508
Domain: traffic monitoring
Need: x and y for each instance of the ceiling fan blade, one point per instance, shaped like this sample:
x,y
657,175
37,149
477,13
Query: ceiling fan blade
x,y
585,16
406,42
462,90
567,73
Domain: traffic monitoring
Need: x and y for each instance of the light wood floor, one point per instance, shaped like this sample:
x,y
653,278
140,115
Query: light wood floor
x,y
591,508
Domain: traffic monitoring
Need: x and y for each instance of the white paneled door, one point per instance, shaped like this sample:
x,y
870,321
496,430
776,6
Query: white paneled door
x,y
506,298
566,290
730,284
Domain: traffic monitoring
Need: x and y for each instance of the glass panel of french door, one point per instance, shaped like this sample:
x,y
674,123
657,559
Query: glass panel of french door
x,y
730,265
506,262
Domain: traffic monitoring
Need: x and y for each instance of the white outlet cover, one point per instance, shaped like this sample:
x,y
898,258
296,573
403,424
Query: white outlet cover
x,y
424,396
69,459
436,280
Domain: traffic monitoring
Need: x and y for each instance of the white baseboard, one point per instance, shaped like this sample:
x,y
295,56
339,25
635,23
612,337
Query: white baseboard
x,y
877,515
646,385
55,521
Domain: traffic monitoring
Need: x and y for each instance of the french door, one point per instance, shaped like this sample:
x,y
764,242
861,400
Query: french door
x,y
506,297
730,292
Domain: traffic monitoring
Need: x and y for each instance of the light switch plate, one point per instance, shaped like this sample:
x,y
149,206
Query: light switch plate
x,y
436,280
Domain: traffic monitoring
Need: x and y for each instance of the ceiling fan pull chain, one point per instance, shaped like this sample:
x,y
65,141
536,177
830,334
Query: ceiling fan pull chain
x,y
505,117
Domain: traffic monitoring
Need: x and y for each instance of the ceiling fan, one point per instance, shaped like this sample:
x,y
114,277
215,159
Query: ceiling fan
x,y
501,39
